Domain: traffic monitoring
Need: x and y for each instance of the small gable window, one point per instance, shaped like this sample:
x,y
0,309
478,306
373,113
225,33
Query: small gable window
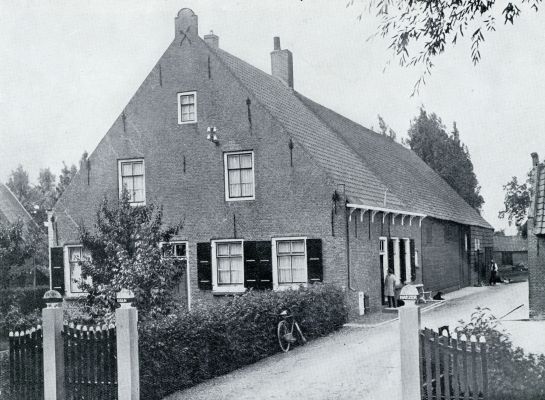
x,y
239,176
187,107
131,178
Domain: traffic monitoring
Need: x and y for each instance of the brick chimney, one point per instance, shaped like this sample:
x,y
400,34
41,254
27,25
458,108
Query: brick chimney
x,y
212,40
282,63
186,22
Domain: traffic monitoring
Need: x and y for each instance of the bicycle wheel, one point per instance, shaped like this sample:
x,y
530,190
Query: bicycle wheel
x,y
303,339
282,332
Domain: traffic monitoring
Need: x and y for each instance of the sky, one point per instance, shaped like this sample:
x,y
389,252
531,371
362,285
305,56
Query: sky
x,y
69,67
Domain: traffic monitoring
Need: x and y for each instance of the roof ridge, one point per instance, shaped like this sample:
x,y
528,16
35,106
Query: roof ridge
x,y
18,202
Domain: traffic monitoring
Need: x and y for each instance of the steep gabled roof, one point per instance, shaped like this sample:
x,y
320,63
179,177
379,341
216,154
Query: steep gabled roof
x,y
510,243
11,210
370,166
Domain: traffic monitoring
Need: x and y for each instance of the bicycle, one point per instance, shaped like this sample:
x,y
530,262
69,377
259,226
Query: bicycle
x,y
285,331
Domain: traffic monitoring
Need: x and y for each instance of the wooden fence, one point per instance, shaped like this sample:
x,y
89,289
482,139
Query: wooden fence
x,y
26,365
453,368
90,362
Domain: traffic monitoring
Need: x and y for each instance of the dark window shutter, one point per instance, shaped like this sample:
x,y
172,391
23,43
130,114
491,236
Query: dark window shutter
x,y
251,266
57,269
413,263
204,266
264,261
391,254
314,260
402,260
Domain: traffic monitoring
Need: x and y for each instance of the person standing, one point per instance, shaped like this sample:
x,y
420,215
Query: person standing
x,y
389,288
493,272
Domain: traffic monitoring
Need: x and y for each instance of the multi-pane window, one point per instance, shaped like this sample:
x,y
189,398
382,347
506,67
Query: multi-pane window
x,y
239,171
131,176
187,107
75,256
229,263
291,261
176,250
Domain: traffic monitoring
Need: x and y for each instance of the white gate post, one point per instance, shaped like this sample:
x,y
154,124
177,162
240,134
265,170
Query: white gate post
x,y
126,324
53,347
409,335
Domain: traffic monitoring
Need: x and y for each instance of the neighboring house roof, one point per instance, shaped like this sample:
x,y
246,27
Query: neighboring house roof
x,y
11,210
510,243
539,219
371,166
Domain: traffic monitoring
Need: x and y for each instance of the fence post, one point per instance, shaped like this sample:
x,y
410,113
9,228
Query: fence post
x,y
53,347
128,374
409,335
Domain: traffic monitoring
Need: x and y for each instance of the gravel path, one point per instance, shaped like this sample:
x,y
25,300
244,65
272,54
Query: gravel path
x,y
354,363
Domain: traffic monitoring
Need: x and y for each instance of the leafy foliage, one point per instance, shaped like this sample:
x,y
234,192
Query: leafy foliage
x,y
516,202
446,155
20,308
124,253
188,347
512,374
13,250
420,30
385,129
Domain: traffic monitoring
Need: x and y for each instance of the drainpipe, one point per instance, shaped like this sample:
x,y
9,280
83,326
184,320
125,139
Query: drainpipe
x,y
348,245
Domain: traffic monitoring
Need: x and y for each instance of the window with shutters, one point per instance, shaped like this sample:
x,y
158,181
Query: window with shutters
x,y
239,176
74,255
290,262
187,108
132,179
228,265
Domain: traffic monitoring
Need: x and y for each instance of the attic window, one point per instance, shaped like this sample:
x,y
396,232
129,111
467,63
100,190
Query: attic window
x,y
187,107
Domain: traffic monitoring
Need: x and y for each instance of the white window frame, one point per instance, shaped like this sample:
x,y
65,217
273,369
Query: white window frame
x,y
180,122
233,288
68,273
408,260
416,254
226,175
397,260
284,286
120,178
384,254
187,272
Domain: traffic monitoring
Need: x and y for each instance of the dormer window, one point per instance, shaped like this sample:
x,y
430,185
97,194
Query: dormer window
x,y
187,107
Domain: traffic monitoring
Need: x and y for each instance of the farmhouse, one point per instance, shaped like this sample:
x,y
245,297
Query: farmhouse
x,y
274,190
510,250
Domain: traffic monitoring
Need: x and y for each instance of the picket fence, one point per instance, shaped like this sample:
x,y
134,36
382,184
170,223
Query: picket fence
x,y
26,364
90,361
453,368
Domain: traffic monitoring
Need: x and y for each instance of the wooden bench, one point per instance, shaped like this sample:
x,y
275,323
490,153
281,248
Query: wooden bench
x,y
423,296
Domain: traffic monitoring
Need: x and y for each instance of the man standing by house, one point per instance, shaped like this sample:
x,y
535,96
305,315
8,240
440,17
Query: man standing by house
x,y
389,288
493,272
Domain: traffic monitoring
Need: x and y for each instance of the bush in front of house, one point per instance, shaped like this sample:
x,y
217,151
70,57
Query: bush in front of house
x,y
189,347
512,374
20,308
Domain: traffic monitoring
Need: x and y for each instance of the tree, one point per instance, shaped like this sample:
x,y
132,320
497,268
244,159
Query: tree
x,y
19,184
516,203
124,252
65,178
420,30
446,155
385,129
13,251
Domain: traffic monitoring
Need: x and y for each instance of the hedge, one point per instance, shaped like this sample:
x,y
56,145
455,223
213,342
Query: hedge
x,y
189,347
20,307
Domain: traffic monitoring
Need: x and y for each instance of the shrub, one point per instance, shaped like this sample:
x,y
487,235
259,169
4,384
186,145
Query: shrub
x,y
184,349
20,307
512,374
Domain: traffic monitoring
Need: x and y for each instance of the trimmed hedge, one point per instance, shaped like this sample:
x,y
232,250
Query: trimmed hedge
x,y
182,350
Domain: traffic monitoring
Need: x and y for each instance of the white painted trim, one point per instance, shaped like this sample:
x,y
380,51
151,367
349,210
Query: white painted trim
x,y
180,122
120,180
408,260
67,276
276,285
236,288
226,175
397,263
384,254
384,210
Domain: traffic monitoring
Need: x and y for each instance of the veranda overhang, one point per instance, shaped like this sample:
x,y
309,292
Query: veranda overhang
x,y
362,208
